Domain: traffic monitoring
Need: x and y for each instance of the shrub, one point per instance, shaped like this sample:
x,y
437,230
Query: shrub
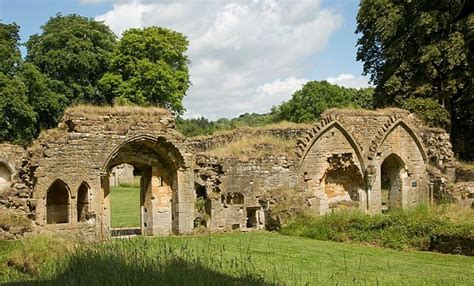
x,y
414,228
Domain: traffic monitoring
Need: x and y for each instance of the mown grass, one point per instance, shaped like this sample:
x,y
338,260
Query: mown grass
x,y
125,206
408,229
240,259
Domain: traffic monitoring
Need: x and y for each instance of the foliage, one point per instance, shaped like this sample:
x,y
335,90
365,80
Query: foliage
x,y
75,50
195,126
9,52
17,117
233,259
202,126
29,101
308,103
414,228
428,110
412,49
149,67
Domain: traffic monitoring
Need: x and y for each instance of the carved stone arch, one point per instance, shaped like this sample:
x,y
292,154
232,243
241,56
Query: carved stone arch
x,y
166,148
305,143
386,130
165,188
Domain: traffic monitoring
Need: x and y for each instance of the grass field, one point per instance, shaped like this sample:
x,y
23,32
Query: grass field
x,y
125,206
258,258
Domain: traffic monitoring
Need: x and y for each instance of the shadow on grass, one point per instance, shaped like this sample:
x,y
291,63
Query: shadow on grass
x,y
116,272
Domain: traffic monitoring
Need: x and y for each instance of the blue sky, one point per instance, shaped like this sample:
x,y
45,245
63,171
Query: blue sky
x,y
246,55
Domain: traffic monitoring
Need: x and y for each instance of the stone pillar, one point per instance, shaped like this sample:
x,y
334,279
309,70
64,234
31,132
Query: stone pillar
x,y
161,199
105,207
186,198
362,195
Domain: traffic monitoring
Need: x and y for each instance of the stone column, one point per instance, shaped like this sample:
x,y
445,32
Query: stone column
x,y
105,207
161,199
186,198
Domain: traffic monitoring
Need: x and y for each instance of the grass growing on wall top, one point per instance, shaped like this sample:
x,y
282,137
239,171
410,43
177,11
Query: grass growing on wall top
x,y
254,147
256,258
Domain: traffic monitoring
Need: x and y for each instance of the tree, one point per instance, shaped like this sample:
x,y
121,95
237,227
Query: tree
x,y
17,117
29,101
413,50
45,96
9,52
149,67
308,103
75,50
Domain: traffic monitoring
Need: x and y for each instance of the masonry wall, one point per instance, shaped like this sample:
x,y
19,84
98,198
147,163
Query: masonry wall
x,y
236,189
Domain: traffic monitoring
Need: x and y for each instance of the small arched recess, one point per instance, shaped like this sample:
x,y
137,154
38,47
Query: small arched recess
x,y
83,202
58,203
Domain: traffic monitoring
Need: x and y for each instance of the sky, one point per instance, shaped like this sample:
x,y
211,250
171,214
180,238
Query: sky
x,y
246,56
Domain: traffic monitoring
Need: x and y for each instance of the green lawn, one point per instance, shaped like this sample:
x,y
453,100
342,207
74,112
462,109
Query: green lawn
x,y
257,258
125,206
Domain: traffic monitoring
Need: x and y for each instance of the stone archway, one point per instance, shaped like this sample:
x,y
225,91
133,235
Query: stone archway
x,y
159,162
393,180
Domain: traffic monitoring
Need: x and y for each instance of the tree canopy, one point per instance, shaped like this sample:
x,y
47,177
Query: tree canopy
x,y
308,103
75,50
419,59
29,101
149,67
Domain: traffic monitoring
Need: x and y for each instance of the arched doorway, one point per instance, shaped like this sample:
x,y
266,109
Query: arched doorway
x,y
58,203
82,202
156,162
392,179
5,176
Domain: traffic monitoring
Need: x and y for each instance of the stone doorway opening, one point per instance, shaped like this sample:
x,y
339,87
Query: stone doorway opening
x,y
153,162
253,219
392,177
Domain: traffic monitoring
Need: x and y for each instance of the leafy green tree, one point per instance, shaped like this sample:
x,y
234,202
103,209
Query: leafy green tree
x,y
75,50
149,67
413,49
17,117
46,96
363,97
29,101
9,52
308,103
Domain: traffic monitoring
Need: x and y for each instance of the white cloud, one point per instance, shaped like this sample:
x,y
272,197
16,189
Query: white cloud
x,y
349,80
246,55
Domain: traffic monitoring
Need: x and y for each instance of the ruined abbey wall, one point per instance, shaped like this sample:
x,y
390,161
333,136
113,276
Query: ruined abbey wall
x,y
369,160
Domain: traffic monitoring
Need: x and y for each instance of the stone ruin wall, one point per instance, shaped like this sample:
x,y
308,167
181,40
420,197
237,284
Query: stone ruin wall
x,y
236,192
74,155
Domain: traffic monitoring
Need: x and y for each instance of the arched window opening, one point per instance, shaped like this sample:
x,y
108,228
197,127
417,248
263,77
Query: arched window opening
x,y
57,203
82,202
